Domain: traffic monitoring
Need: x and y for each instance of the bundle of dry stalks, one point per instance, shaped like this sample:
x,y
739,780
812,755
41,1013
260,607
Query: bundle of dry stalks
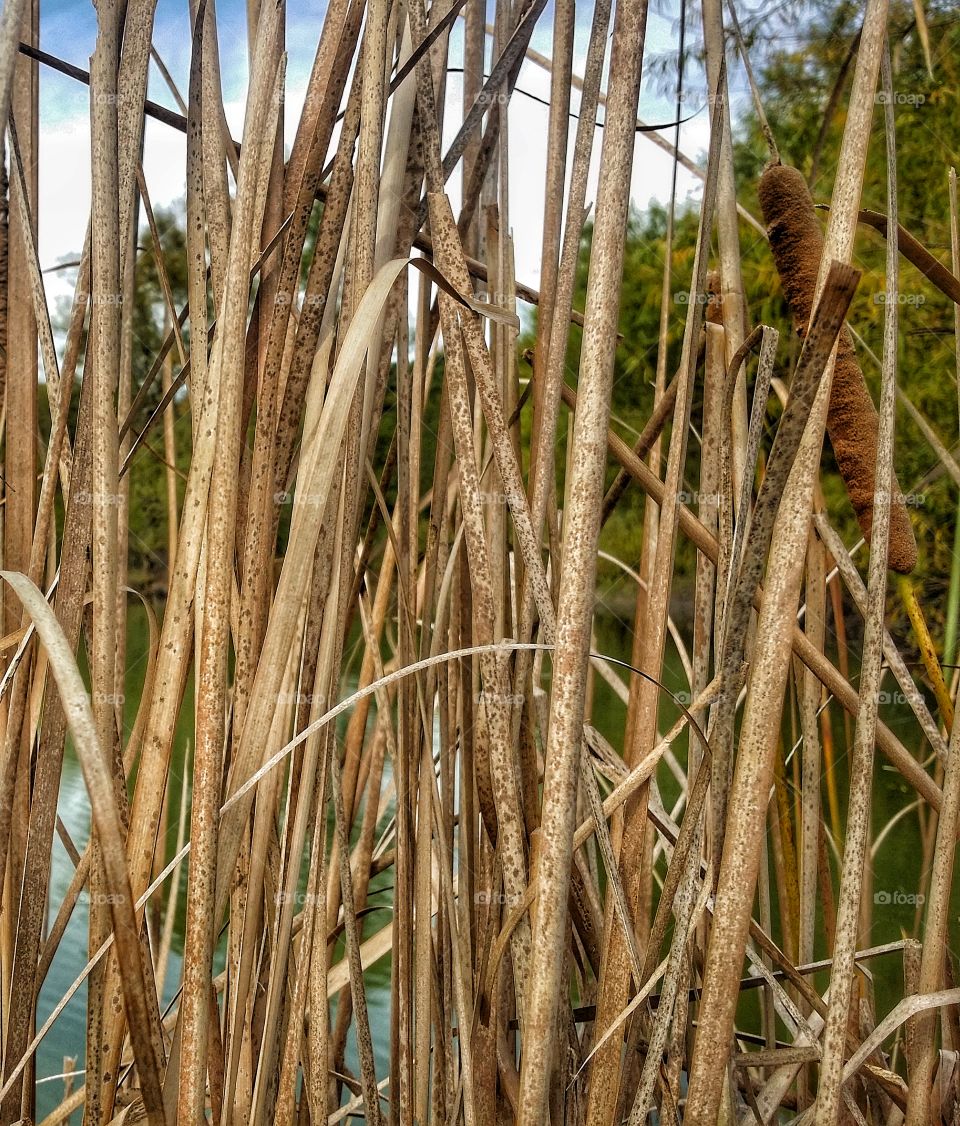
x,y
395,757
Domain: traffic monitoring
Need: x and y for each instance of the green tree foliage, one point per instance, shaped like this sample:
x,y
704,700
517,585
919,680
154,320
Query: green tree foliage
x,y
148,498
805,87
636,363
804,56
148,488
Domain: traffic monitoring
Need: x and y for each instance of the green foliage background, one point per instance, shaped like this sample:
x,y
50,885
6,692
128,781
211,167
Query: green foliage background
x,y
804,81
803,55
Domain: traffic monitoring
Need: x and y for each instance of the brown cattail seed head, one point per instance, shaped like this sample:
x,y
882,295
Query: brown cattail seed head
x,y
796,242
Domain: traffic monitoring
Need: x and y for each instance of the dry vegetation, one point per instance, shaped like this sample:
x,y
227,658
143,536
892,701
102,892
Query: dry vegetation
x,y
563,947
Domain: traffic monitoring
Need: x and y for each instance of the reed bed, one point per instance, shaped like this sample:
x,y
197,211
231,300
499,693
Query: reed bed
x,y
378,614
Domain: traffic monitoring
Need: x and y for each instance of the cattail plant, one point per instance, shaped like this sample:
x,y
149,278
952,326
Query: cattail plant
x,y
388,831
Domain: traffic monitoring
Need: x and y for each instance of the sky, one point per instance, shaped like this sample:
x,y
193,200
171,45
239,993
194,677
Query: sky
x,y
68,30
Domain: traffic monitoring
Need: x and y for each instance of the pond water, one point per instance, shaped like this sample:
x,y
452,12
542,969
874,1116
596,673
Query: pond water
x,y
896,866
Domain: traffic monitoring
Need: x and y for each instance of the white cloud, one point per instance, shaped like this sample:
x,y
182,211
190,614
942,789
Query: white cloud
x,y
65,156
